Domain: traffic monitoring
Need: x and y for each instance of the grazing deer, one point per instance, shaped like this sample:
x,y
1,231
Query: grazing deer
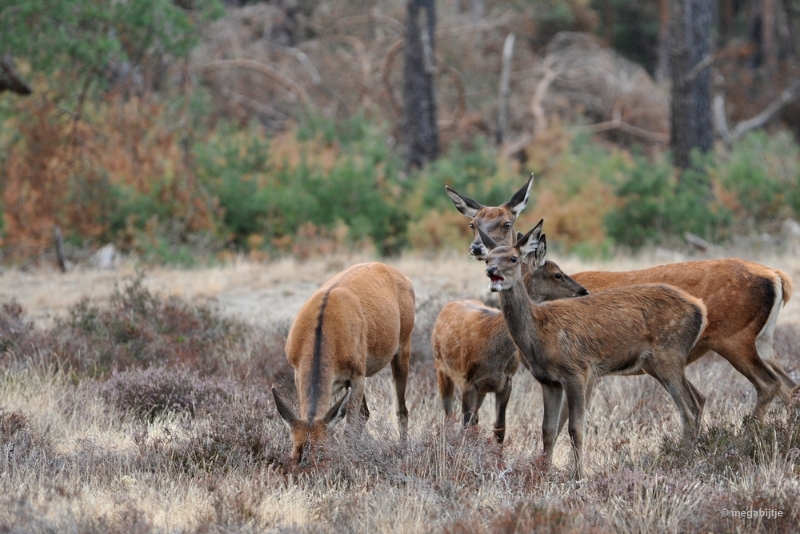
x,y
473,350
350,328
743,300
564,343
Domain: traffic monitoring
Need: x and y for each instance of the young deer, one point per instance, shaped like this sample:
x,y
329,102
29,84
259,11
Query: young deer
x,y
350,328
564,343
743,301
473,350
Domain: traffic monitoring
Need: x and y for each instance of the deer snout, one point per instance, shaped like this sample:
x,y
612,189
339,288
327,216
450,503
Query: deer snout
x,y
583,292
476,250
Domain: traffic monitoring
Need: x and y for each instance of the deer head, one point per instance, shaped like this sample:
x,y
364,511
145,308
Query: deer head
x,y
306,434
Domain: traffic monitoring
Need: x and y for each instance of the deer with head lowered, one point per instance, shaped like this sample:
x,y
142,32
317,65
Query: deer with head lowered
x,y
473,350
564,343
350,328
743,300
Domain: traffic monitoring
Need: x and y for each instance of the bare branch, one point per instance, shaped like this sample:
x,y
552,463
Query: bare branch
x,y
786,96
10,80
262,68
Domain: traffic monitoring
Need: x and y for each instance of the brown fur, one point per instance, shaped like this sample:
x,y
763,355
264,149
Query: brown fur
x,y
352,327
565,343
735,292
740,297
473,350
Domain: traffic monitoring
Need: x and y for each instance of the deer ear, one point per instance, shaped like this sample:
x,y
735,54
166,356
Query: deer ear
x,y
487,241
465,205
338,411
541,251
537,230
520,198
528,243
284,411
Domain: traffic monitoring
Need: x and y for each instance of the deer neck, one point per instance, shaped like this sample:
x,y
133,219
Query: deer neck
x,y
315,392
519,312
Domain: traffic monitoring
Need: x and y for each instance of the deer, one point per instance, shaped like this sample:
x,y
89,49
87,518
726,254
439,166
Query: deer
x,y
648,328
349,329
743,300
473,350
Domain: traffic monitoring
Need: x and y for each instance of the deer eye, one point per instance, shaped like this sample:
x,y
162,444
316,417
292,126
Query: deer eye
x,y
472,225
559,276
513,259
507,225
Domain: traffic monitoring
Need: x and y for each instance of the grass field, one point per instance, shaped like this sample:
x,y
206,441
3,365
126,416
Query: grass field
x,y
140,403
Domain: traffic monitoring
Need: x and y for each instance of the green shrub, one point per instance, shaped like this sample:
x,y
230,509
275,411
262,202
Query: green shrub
x,y
763,172
657,206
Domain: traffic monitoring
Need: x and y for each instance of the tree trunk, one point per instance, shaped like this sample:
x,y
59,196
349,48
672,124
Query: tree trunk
x,y
768,41
420,131
662,59
690,44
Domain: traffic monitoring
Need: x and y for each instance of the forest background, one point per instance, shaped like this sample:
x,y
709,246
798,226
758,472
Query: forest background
x,y
188,131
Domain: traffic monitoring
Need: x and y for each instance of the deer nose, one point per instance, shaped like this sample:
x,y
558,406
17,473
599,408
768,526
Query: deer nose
x,y
476,249
583,292
491,271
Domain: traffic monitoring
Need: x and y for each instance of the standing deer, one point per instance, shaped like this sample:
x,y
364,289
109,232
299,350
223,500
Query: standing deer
x,y
743,300
564,343
350,328
473,350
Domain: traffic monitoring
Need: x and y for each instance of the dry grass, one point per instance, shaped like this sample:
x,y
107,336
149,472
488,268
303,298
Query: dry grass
x,y
192,449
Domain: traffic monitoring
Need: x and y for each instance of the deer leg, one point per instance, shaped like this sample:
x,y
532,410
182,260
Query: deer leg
x,y
501,402
684,396
446,392
400,376
364,408
565,407
355,415
552,399
576,400
469,404
747,361
700,399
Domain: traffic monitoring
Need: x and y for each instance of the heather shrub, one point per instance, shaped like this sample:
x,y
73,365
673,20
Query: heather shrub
x,y
138,329
21,444
14,327
150,392
726,446
231,433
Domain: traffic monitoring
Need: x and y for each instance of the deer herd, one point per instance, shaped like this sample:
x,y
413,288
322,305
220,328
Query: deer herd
x,y
568,331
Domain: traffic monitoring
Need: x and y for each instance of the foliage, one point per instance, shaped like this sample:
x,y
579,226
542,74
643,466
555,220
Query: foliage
x,y
656,205
763,176
96,39
139,329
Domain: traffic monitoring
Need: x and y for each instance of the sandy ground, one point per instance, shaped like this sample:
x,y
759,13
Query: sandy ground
x,y
264,292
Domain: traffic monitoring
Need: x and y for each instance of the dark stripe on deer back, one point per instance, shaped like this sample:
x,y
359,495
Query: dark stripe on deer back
x,y
316,365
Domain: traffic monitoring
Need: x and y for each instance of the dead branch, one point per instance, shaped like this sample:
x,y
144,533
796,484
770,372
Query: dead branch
x,y
539,117
363,59
741,128
505,88
699,68
458,83
386,74
59,242
374,16
262,68
616,123
10,80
